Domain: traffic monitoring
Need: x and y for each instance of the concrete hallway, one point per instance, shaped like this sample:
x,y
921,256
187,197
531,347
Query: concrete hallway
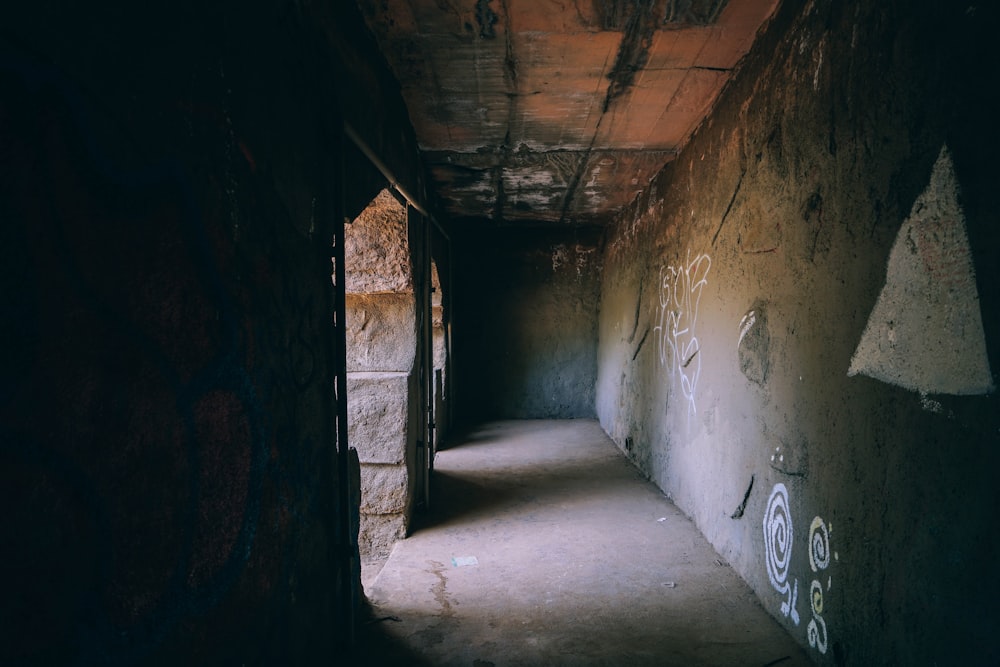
x,y
545,546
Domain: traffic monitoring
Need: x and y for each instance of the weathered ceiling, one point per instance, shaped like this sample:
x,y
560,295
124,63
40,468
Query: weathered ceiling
x,y
557,111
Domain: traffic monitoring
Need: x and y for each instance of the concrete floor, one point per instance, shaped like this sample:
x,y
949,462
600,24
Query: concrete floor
x,y
578,561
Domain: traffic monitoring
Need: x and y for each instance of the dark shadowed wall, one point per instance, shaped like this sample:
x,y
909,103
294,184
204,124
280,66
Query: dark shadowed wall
x,y
800,330
168,177
526,323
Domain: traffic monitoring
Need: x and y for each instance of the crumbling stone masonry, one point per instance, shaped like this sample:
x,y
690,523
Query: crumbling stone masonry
x,y
383,405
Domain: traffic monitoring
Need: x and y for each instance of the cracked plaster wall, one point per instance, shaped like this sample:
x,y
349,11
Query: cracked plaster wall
x,y
737,290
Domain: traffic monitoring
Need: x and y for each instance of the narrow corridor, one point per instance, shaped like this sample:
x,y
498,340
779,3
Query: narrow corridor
x,y
756,240
545,546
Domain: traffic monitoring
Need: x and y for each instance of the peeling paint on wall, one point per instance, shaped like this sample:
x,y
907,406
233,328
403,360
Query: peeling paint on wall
x,y
925,332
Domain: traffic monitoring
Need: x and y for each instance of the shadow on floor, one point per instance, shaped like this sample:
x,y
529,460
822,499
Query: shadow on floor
x,y
471,495
467,436
376,647
569,558
458,497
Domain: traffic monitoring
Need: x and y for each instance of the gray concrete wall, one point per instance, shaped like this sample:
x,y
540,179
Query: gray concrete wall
x,y
526,324
796,326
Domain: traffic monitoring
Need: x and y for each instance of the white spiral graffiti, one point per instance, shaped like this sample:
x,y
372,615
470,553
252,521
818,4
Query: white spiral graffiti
x,y
778,538
819,545
819,559
816,639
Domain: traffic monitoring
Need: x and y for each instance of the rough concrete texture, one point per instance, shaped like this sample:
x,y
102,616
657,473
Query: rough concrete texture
x,y
526,323
378,533
545,547
383,423
381,332
378,416
438,334
737,289
378,235
384,489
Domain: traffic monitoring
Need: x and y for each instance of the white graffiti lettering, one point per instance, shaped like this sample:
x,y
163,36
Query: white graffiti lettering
x,y
680,294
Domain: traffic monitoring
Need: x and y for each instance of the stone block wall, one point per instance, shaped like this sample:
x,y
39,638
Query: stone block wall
x,y
439,363
383,405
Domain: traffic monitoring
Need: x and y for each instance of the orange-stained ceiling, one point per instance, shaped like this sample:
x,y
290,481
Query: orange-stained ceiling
x,y
557,111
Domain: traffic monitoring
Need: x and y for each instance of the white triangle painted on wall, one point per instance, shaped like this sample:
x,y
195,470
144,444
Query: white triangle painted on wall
x,y
925,332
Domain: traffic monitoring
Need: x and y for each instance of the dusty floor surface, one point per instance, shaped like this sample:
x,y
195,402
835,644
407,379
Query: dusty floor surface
x,y
545,546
